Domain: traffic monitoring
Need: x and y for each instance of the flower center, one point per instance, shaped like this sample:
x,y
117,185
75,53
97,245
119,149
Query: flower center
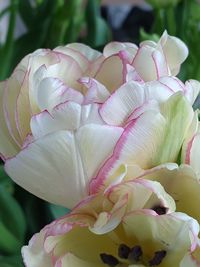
x,y
160,210
132,255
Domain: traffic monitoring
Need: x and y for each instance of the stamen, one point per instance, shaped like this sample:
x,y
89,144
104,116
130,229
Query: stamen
x,y
109,259
123,251
160,210
135,253
158,257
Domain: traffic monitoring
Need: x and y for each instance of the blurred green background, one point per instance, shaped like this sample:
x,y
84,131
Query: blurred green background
x,y
49,23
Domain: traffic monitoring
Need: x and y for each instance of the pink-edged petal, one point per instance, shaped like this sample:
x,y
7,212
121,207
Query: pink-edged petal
x,y
78,239
131,74
66,69
65,116
173,84
175,51
191,153
115,47
58,166
192,90
52,92
90,114
179,182
34,254
8,147
11,92
115,64
75,54
154,62
46,167
108,220
163,88
97,92
131,99
137,145
88,52
89,138
158,197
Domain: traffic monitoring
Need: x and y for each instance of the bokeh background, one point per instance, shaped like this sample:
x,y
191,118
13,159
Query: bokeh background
x,y
26,25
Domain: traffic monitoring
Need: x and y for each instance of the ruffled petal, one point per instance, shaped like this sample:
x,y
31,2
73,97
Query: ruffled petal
x,y
128,102
154,62
34,254
58,166
66,116
175,51
181,183
88,52
52,92
97,92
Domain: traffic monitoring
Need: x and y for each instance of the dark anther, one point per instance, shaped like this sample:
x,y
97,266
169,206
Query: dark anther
x,y
160,210
123,251
109,259
135,253
158,257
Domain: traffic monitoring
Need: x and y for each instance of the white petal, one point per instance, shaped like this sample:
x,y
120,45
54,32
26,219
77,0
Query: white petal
x,y
65,116
97,92
192,90
137,145
154,62
11,92
8,147
115,47
75,54
131,99
103,75
58,166
90,114
175,51
87,51
34,254
90,137
52,92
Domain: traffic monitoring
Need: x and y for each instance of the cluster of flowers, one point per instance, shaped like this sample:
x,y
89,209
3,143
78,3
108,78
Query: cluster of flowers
x,y
113,137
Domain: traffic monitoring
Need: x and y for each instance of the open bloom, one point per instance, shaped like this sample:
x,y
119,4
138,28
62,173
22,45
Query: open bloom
x,y
143,238
65,154
58,106
54,76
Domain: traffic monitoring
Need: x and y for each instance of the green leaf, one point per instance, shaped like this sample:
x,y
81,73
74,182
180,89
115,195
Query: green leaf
x,y
5,181
7,49
11,215
11,261
8,242
97,29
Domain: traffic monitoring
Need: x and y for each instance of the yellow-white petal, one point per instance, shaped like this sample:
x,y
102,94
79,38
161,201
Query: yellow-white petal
x,y
58,166
34,254
8,147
